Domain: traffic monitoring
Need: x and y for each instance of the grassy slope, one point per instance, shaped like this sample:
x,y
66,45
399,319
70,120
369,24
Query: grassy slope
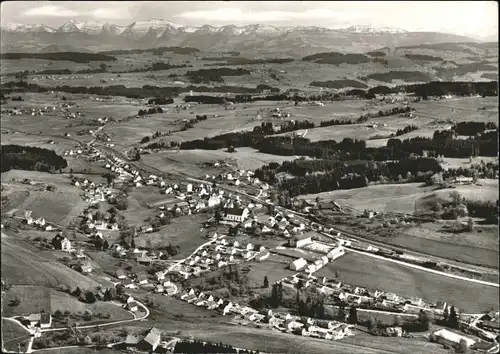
x,y
374,273
13,334
22,264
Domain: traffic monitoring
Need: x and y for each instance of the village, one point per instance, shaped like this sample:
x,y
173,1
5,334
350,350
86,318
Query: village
x,y
242,217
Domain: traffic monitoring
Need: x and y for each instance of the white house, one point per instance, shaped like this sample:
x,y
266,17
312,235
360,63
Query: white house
x,y
213,201
298,264
66,244
236,214
453,337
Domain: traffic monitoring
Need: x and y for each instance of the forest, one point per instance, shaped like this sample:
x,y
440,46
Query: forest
x,y
214,75
30,158
315,176
337,58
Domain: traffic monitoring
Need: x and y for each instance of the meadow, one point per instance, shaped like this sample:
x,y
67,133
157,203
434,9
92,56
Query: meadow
x,y
405,198
14,335
23,265
183,231
60,206
362,270
65,302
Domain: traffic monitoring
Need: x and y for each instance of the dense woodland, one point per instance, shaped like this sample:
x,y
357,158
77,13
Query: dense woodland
x,y
337,58
214,75
315,176
64,56
30,158
472,128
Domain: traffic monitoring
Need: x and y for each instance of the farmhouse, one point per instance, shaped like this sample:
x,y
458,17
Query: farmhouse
x,y
150,341
236,214
42,320
298,264
444,334
300,241
132,306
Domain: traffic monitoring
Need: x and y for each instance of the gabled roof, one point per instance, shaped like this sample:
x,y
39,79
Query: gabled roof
x,y
153,337
234,211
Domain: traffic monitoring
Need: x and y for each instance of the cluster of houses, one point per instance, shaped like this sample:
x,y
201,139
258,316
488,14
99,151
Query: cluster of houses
x,y
237,177
38,223
330,254
283,322
219,254
336,292
141,280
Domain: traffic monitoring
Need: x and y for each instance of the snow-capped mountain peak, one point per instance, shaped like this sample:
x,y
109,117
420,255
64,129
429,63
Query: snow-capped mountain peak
x,y
69,26
17,27
370,29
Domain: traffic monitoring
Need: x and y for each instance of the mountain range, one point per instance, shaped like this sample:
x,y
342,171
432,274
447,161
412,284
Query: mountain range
x,y
97,36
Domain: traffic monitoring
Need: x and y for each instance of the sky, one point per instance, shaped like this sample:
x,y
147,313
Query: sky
x,y
479,18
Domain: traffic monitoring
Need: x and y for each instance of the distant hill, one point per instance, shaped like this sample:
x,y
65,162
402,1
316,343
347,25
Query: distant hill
x,y
258,38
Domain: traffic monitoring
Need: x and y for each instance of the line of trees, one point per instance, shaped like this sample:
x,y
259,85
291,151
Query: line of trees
x,y
153,110
30,158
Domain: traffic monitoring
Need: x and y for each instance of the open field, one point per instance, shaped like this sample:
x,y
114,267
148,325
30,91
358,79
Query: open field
x,y
183,231
65,302
477,247
33,299
13,335
22,265
274,267
466,163
184,160
404,198
60,206
361,270
459,109
277,342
